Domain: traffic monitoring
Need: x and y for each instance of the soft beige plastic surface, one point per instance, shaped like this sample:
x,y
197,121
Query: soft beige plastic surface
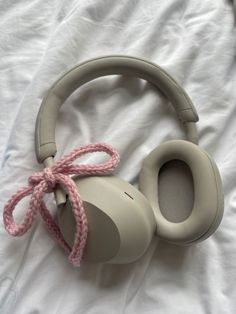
x,y
46,121
121,221
207,209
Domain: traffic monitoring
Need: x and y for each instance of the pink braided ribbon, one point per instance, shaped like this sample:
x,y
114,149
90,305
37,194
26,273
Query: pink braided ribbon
x,y
45,182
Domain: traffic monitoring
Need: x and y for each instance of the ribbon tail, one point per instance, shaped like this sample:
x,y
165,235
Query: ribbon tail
x,y
81,232
53,227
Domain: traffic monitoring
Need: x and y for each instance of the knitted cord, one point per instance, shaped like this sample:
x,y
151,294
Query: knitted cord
x,y
44,182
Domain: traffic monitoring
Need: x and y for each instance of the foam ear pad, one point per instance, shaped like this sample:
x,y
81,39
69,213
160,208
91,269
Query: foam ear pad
x,y
206,193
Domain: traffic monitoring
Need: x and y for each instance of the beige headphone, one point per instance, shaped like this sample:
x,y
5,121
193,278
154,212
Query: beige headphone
x,y
121,219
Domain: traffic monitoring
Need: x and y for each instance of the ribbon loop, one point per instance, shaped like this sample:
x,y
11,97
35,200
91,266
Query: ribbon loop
x,y
45,182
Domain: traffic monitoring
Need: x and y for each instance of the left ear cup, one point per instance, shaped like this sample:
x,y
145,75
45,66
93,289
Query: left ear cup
x,y
121,222
207,195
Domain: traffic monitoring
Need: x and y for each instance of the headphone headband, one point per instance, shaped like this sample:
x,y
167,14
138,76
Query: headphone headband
x,y
45,145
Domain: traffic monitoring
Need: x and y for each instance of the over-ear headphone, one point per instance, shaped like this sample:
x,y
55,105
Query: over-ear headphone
x,y
116,219
121,219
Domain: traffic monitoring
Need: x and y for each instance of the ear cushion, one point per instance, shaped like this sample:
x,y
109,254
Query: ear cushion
x,y
208,206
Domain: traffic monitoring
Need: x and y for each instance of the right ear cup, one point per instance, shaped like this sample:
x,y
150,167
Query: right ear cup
x,y
190,174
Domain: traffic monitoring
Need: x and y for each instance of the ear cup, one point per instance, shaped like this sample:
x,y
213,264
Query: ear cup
x,y
121,222
207,194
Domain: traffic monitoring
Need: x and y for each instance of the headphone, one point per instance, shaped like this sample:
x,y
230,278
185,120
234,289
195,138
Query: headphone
x,y
121,219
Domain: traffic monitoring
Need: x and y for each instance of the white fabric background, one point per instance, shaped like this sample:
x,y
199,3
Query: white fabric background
x,y
195,42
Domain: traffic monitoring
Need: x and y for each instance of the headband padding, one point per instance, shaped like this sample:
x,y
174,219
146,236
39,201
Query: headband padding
x,y
45,145
208,197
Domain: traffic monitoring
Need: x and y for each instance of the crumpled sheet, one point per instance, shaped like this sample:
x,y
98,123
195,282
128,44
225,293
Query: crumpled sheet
x,y
195,41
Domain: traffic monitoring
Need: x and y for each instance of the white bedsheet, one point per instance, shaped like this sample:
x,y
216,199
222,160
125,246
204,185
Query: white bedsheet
x,y
195,41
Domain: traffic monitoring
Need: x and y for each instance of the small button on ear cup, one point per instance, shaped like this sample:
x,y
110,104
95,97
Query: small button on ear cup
x,y
120,220
207,205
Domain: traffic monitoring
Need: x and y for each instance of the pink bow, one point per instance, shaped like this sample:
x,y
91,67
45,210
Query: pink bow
x,y
45,182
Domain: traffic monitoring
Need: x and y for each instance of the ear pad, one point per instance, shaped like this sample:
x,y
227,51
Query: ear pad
x,y
189,165
121,222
